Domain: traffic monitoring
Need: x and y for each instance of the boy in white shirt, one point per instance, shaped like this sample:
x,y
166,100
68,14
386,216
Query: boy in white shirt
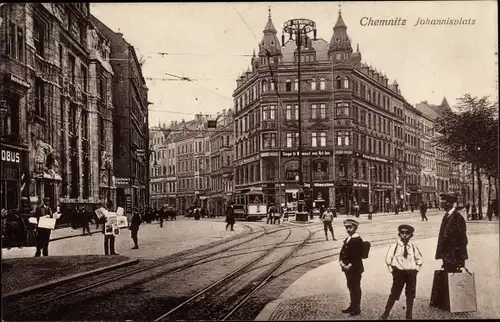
x,y
403,260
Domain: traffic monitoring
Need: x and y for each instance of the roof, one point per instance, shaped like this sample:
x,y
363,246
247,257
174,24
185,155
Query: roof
x,y
319,45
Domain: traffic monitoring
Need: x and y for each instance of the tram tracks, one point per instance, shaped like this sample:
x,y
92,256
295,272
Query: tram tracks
x,y
183,260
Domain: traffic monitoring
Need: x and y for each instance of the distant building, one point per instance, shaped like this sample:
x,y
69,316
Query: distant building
x,y
162,166
130,117
221,162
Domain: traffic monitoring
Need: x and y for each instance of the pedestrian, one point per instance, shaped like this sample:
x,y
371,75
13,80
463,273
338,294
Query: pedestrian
x,y
423,211
109,239
351,262
277,215
230,217
164,212
412,207
467,208
327,218
356,209
75,218
452,239
42,234
403,260
84,220
134,228
370,211
270,214
489,210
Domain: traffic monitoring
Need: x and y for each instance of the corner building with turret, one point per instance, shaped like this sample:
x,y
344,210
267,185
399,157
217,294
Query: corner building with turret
x,y
352,125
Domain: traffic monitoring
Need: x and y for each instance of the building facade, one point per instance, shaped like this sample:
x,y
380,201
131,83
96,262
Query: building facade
x,y
14,100
413,156
130,117
162,167
352,125
193,167
428,161
221,162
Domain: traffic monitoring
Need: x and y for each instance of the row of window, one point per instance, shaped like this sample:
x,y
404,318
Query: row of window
x,y
157,171
221,185
194,183
164,187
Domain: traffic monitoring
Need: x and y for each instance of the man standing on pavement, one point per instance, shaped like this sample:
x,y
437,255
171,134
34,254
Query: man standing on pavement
x,y
423,211
327,218
452,240
351,262
109,239
84,220
403,260
42,234
230,217
134,228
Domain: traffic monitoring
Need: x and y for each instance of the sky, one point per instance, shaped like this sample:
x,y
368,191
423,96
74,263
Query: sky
x,y
212,43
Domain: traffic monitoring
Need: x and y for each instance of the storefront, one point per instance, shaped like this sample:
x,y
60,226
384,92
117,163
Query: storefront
x,y
14,176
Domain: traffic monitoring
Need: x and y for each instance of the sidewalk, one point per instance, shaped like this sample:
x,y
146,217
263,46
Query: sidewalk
x,y
154,242
322,293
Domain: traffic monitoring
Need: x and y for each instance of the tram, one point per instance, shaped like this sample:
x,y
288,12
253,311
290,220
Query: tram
x,y
250,205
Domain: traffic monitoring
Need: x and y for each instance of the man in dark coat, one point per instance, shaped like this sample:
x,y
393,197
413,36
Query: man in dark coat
x,y
230,217
42,234
351,262
452,240
134,228
423,211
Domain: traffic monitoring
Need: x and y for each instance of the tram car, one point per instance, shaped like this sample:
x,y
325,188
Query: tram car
x,y
250,206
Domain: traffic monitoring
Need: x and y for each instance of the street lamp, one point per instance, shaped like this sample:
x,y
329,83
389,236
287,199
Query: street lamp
x,y
298,30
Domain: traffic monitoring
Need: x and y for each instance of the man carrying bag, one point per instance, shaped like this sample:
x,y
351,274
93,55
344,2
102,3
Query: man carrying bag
x,y
453,289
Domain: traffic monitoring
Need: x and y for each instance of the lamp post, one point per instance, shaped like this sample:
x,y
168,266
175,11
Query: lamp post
x,y
370,207
298,30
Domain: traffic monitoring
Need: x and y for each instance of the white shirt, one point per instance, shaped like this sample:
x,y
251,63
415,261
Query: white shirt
x,y
394,257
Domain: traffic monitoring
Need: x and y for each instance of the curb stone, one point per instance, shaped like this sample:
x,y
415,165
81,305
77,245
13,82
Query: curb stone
x,y
69,278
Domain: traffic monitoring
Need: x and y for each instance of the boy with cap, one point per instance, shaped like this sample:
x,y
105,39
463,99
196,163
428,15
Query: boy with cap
x,y
403,260
351,262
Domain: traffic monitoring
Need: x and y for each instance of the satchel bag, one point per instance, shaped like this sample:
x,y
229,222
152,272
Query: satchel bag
x,y
454,292
462,290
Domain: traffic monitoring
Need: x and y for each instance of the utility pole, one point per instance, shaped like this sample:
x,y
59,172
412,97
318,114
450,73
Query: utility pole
x,y
299,28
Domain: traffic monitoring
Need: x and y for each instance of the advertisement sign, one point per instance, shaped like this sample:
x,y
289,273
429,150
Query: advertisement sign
x,y
128,203
306,153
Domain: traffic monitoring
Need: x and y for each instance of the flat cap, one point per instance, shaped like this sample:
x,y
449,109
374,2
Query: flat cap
x,y
407,227
449,197
351,222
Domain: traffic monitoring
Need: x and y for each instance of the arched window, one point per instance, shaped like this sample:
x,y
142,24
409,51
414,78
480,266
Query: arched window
x,y
322,84
296,85
338,82
313,84
288,85
346,82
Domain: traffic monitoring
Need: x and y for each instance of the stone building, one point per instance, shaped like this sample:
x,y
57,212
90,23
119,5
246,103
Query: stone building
x,y
413,156
162,166
193,167
352,124
130,118
101,114
428,161
55,120
14,100
221,162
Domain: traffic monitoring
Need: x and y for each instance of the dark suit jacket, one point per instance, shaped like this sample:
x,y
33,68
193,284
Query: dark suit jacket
x,y
351,253
452,240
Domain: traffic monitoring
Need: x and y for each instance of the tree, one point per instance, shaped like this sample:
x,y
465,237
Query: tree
x,y
470,134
